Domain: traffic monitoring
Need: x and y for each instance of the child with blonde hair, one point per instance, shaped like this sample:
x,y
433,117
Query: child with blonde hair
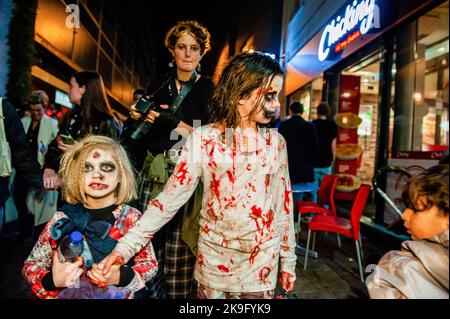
x,y
97,182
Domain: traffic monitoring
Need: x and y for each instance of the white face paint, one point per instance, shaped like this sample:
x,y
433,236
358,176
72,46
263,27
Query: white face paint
x,y
270,104
101,178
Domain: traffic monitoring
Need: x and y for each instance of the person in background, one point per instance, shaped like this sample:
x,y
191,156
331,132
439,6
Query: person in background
x,y
327,133
303,148
40,130
22,156
91,114
420,270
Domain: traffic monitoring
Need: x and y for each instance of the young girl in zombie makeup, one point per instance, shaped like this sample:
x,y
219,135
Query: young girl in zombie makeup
x,y
246,224
97,181
420,269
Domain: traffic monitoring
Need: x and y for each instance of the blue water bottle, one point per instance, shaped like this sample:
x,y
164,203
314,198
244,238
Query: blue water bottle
x,y
70,247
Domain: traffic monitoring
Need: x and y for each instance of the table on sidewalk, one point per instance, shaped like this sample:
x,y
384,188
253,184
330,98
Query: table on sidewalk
x,y
297,191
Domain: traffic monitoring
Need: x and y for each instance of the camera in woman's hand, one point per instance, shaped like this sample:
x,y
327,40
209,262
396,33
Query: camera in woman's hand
x,y
140,128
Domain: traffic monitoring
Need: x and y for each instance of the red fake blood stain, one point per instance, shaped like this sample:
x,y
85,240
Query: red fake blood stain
x,y
230,177
215,184
157,204
267,182
252,187
255,253
264,273
211,211
285,239
270,216
287,200
256,212
96,155
225,241
249,167
223,268
200,259
269,140
205,229
181,173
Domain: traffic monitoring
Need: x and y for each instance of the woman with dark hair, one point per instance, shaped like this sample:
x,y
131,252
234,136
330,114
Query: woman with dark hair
x,y
181,98
246,220
91,115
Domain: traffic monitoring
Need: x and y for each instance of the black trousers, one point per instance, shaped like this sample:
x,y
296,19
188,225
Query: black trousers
x,y
26,220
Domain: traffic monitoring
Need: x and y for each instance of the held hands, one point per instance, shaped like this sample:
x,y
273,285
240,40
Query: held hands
x,y
108,271
66,274
51,179
112,277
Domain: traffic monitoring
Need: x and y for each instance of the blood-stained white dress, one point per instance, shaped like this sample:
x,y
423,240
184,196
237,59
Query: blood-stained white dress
x,y
246,222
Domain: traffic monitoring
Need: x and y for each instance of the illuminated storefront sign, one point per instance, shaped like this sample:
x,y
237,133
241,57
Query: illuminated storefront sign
x,y
360,14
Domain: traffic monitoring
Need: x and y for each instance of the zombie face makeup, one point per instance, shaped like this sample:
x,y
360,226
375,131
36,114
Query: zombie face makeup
x,y
101,178
267,98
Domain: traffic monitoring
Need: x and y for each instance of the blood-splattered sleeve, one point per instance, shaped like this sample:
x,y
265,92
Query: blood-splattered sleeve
x,y
145,264
179,188
39,262
284,212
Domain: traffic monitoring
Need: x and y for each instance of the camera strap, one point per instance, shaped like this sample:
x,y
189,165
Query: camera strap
x,y
184,91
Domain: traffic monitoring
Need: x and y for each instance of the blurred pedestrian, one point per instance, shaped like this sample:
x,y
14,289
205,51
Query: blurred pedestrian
x,y
180,98
22,159
303,148
327,133
91,114
40,130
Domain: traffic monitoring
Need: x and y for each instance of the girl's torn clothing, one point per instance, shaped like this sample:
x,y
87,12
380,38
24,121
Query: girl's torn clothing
x,y
246,224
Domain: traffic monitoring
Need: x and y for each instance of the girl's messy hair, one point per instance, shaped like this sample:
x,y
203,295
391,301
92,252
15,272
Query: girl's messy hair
x,y
72,170
428,188
244,73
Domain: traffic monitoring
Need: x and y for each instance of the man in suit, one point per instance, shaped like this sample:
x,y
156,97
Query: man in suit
x,y
40,130
303,147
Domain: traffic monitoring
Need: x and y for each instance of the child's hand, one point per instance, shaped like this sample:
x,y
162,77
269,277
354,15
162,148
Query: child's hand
x,y
286,281
65,274
113,258
110,278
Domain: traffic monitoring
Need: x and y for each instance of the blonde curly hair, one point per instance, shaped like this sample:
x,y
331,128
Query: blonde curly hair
x,y
71,171
192,27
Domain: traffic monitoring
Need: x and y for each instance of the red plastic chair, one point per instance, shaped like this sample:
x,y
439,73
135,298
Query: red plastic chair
x,y
325,201
350,228
325,197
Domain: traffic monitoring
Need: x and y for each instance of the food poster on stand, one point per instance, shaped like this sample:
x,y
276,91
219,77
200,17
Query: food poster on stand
x,y
348,151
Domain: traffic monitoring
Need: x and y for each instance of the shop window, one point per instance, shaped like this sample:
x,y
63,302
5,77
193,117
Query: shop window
x,y
421,82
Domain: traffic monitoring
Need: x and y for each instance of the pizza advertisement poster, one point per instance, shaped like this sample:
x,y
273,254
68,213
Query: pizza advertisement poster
x,y
346,136
346,167
348,152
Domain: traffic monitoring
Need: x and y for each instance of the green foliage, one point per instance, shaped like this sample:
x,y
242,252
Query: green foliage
x,y
21,51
